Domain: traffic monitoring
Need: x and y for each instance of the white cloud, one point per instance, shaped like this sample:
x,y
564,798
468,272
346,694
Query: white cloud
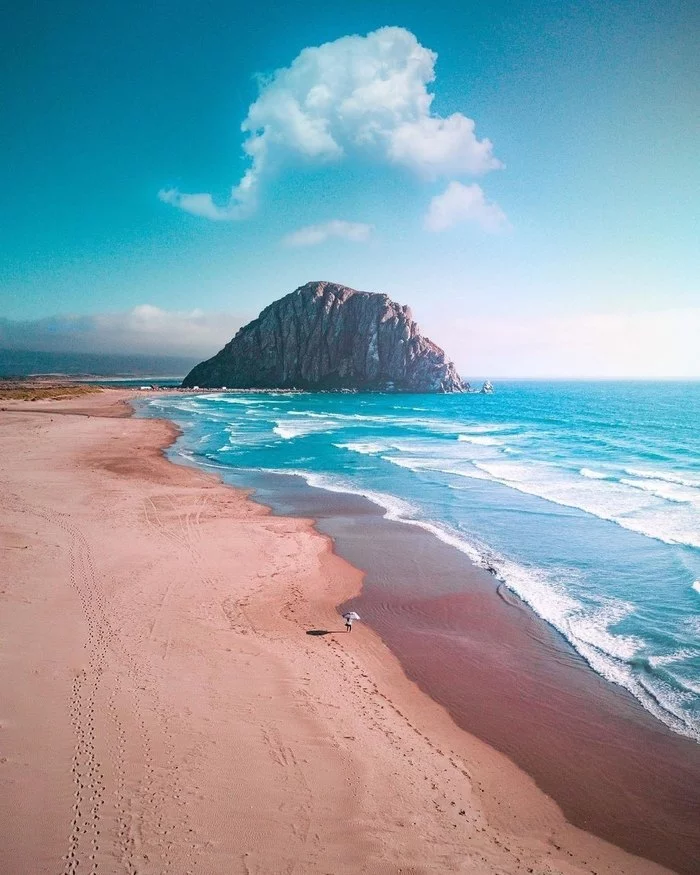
x,y
464,203
201,205
357,94
312,235
144,329
437,147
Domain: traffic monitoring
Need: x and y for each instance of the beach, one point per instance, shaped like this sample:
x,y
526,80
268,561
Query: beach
x,y
166,710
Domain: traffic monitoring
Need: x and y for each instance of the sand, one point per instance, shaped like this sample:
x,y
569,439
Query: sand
x,y
614,769
163,709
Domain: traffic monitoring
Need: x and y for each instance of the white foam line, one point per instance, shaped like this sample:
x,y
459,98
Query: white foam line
x,y
677,656
479,440
364,449
593,475
691,686
342,417
227,399
290,430
667,476
494,428
200,462
394,507
663,489
437,466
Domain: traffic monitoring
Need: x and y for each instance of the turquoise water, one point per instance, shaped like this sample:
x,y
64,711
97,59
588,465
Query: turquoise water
x,y
584,498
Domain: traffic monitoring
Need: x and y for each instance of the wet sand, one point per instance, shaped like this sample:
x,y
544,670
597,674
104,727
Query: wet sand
x,y
165,710
509,678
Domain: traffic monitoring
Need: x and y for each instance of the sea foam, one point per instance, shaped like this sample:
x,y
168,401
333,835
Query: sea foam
x,y
667,476
614,502
593,475
479,440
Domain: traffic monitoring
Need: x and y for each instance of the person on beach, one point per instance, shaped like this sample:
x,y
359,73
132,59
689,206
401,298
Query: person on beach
x,y
349,617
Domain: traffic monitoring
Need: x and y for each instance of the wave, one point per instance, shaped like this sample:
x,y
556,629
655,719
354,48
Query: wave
x,y
413,454
691,625
609,501
341,417
439,466
395,508
681,655
184,405
199,461
364,448
490,428
288,433
666,476
663,489
593,475
696,586
227,399
472,433
690,684
480,441
336,421
586,628
290,430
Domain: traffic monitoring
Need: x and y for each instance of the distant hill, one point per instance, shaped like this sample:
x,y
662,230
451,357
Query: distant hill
x,y
328,336
22,363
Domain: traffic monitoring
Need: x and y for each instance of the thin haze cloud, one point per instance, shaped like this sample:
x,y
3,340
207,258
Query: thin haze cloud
x,y
354,95
143,329
656,344
312,235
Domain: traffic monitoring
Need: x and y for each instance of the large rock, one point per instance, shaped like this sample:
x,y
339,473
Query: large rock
x,y
326,336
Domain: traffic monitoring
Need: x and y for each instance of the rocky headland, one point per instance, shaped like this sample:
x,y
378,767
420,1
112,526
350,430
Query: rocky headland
x,y
327,336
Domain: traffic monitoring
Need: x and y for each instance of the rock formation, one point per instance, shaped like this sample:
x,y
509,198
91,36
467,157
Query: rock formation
x,y
326,336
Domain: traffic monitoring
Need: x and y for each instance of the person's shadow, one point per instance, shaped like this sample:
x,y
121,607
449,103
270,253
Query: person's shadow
x,y
322,631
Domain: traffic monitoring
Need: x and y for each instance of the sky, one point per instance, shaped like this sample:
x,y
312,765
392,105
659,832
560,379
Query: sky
x,y
524,175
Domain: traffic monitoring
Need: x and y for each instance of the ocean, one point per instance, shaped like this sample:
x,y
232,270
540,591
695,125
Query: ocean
x,y
19,363
583,498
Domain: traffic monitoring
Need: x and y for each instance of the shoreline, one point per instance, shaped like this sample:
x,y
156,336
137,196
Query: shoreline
x,y
338,761
522,689
613,768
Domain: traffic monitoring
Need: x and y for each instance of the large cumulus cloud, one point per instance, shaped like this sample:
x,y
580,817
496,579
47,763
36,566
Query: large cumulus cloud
x,y
364,94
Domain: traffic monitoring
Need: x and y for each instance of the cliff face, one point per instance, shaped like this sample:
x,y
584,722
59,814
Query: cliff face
x,y
326,336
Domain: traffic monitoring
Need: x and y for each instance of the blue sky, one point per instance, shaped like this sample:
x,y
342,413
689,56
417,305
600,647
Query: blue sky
x,y
569,246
